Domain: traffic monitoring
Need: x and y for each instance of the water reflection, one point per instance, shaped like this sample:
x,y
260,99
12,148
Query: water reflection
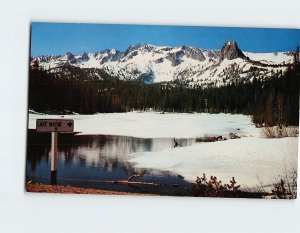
x,y
90,160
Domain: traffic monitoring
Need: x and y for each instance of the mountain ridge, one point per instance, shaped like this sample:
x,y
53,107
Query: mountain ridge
x,y
186,63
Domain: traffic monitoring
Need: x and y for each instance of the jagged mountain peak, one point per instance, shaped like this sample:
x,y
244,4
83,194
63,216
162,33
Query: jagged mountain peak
x,y
150,63
140,46
106,52
68,56
231,50
85,57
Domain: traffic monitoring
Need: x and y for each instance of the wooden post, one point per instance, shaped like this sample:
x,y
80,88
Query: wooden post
x,y
54,126
54,156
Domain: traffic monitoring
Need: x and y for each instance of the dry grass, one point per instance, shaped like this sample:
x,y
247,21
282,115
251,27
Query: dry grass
x,y
277,132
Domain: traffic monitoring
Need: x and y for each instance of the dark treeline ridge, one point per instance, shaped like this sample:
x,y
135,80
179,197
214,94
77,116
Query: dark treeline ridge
x,y
271,101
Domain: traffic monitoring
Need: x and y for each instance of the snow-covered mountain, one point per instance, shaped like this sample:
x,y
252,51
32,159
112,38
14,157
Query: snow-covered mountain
x,y
151,63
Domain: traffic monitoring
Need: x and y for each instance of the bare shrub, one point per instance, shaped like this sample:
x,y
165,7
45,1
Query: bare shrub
x,y
280,132
286,188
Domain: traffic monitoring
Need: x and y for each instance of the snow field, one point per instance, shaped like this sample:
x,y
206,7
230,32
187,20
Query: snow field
x,y
157,125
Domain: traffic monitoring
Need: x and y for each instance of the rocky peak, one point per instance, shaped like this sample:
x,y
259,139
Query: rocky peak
x,y
69,56
142,47
110,55
85,57
230,50
193,53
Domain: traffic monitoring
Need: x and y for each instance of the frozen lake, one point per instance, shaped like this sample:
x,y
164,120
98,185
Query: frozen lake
x,y
156,125
251,160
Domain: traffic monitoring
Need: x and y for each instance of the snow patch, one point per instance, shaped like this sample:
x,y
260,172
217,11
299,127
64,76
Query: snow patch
x,y
249,160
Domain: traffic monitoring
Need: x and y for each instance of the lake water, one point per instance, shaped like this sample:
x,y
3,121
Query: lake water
x,y
95,160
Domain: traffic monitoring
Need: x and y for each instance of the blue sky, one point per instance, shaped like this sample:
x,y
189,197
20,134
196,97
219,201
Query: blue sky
x,y
59,38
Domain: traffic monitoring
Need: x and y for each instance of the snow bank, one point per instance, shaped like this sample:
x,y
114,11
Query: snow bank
x,y
153,124
247,159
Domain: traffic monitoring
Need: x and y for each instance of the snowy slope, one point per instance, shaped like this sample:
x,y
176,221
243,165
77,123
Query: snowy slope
x,y
271,58
161,63
249,160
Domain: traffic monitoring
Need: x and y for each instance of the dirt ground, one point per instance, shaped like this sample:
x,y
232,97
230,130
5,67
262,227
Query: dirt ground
x,y
43,188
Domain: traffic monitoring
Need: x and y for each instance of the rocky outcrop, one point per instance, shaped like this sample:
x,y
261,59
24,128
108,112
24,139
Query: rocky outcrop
x,y
193,53
231,51
175,58
111,55
69,56
141,47
85,57
159,60
233,136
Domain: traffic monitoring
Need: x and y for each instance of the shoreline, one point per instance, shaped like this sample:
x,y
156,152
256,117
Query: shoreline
x,y
67,189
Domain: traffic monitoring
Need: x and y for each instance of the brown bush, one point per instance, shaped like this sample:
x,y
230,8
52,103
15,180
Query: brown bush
x,y
280,132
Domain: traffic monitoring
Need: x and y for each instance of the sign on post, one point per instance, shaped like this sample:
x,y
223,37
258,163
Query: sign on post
x,y
54,125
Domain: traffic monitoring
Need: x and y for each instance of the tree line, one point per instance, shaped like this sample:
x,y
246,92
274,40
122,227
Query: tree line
x,y
271,101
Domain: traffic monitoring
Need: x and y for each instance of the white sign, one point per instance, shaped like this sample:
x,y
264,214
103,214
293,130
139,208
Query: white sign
x,y
54,125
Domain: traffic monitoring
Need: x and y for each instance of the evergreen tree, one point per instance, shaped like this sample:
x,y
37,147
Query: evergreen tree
x,y
273,101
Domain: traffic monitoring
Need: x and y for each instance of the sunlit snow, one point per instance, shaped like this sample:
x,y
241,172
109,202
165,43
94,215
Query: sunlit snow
x,y
155,124
252,159
249,160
